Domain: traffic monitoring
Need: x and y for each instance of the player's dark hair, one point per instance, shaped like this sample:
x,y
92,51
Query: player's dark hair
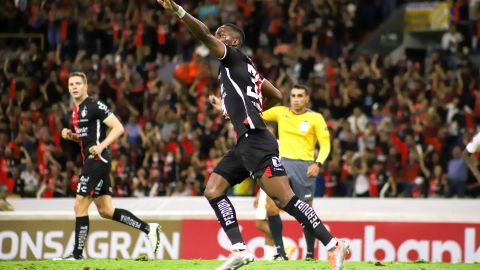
x,y
79,74
238,31
303,87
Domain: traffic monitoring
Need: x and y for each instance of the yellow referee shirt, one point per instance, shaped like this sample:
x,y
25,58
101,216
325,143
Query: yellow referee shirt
x,y
299,133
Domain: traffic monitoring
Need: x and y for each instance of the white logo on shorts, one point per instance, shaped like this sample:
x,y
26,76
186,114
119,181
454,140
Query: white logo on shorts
x,y
99,185
276,162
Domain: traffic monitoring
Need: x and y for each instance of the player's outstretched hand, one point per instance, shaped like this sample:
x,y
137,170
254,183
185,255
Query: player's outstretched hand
x,y
168,5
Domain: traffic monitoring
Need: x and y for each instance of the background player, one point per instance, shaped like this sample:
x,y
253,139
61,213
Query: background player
x,y
90,119
256,151
299,129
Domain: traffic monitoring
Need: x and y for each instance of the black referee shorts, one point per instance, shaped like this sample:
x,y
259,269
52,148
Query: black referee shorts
x,y
95,179
255,154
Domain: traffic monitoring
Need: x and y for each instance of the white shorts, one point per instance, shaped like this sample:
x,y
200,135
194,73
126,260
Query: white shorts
x,y
261,212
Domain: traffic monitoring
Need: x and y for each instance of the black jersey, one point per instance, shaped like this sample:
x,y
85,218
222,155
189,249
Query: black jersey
x,y
240,89
87,119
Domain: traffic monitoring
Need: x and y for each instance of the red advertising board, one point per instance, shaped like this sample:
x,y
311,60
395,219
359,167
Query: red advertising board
x,y
370,241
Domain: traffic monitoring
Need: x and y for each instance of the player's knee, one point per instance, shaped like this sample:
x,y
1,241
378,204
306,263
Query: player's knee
x,y
80,208
280,204
211,193
105,212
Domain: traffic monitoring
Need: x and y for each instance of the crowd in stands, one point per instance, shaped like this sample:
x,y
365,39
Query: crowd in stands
x,y
398,126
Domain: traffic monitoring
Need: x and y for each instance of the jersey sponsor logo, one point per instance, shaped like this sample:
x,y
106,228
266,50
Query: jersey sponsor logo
x,y
81,132
103,107
304,126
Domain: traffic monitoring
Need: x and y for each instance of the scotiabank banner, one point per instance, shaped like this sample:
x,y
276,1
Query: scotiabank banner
x,y
370,241
195,239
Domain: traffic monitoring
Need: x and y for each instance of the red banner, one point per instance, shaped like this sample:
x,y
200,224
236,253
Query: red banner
x,y
370,241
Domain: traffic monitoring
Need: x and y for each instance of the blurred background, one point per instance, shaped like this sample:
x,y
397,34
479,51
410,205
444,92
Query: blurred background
x,y
396,81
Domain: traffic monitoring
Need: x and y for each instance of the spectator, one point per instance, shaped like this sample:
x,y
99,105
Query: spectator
x,y
143,64
457,174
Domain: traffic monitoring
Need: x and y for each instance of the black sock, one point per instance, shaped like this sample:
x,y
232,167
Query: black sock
x,y
228,218
276,228
126,217
305,214
310,241
81,232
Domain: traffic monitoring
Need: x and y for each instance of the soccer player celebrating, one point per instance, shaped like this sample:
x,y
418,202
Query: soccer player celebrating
x,y
90,119
299,129
256,151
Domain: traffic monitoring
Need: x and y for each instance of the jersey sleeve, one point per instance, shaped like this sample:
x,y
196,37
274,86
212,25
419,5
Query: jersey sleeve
x,y
323,137
272,114
474,145
102,111
231,56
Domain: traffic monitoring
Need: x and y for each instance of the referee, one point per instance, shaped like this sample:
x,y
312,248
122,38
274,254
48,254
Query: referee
x,y
299,130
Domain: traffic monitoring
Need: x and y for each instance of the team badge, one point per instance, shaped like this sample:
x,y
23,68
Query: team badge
x,y
304,126
84,111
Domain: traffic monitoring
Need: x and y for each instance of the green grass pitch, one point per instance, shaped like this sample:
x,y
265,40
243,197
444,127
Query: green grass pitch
x,y
212,264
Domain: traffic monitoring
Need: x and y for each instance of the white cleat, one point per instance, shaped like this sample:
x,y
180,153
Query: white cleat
x,y
154,236
337,256
237,259
68,258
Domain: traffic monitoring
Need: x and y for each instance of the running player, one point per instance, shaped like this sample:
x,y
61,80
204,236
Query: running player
x,y
299,129
90,120
256,151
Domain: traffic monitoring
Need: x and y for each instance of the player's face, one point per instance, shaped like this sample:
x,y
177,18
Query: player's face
x,y
76,87
224,35
298,99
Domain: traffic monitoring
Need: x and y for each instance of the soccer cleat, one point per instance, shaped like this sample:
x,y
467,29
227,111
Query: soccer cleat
x,y
309,258
70,257
237,259
336,257
154,236
279,257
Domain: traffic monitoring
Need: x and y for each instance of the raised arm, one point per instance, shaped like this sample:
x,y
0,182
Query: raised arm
x,y
197,28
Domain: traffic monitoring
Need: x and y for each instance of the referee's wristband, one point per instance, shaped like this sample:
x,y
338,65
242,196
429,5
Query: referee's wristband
x,y
180,12
318,164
